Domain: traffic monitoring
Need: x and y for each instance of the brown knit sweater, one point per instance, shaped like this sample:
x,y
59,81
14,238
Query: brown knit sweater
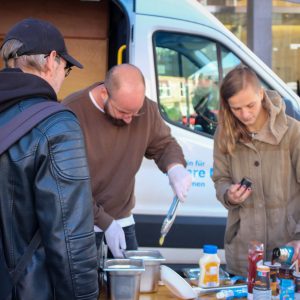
x,y
115,153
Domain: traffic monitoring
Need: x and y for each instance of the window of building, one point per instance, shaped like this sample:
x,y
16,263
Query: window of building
x,y
285,33
286,42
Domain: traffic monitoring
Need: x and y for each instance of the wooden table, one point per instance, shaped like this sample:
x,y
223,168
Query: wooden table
x,y
162,294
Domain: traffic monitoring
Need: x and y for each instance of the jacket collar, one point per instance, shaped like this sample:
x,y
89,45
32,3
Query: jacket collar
x,y
16,85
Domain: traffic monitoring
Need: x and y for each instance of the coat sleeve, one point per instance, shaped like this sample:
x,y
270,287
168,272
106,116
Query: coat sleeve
x,y
222,176
293,210
64,209
162,147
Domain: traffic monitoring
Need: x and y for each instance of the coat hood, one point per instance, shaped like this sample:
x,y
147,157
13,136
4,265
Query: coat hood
x,y
276,126
16,85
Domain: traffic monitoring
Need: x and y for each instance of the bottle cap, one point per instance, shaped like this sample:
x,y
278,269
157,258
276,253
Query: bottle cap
x,y
210,249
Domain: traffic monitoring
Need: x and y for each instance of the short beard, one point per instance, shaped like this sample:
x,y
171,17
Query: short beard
x,y
113,120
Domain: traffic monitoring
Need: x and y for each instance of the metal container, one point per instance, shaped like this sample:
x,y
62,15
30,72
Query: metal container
x,y
283,254
124,278
152,260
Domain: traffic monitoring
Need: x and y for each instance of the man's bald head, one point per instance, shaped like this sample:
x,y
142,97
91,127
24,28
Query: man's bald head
x,y
124,74
125,86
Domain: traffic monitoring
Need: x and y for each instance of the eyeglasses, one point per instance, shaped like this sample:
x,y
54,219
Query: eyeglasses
x,y
121,111
67,68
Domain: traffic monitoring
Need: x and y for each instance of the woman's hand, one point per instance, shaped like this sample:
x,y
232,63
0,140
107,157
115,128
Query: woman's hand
x,y
237,193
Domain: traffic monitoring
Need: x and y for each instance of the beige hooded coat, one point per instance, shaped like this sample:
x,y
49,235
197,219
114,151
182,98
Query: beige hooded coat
x,y
271,214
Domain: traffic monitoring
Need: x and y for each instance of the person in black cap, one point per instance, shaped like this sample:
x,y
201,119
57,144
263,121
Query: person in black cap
x,y
45,182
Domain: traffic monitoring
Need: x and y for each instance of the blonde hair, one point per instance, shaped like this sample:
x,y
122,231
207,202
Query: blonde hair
x,y
231,130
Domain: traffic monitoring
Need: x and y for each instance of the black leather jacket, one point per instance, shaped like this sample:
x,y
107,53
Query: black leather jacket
x,y
45,184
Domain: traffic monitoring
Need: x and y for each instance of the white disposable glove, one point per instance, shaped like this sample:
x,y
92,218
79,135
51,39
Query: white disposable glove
x,y
180,181
115,239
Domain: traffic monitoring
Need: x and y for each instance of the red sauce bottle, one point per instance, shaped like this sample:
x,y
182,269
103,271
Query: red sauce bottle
x,y
255,257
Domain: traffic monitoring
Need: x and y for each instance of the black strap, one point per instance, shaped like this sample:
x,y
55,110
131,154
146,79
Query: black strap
x,y
12,131
20,267
6,280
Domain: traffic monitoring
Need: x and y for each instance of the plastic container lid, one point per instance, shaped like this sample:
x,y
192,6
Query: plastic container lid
x,y
271,265
210,249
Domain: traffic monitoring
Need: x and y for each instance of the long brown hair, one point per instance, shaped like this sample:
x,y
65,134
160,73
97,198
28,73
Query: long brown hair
x,y
231,130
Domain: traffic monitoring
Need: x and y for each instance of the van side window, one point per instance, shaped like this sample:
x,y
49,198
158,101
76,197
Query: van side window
x,y
189,70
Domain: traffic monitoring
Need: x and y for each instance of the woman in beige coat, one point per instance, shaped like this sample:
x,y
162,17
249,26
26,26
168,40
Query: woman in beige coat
x,y
257,140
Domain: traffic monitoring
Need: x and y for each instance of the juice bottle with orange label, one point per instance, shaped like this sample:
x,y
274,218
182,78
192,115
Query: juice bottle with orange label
x,y
209,267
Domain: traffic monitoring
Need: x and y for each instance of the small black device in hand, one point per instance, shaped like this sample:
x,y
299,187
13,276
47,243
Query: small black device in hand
x,y
246,182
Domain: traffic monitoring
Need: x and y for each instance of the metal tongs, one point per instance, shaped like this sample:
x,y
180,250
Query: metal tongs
x,y
169,220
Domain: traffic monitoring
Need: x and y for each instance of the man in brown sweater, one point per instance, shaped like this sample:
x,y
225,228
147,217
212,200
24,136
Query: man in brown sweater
x,y
121,126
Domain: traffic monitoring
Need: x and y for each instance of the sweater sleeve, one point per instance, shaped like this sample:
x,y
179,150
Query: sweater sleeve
x,y
101,218
162,147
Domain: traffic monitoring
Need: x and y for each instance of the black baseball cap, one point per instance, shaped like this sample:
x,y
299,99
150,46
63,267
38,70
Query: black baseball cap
x,y
40,37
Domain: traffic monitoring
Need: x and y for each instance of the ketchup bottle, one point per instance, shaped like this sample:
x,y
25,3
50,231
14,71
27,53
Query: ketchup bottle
x,y
255,257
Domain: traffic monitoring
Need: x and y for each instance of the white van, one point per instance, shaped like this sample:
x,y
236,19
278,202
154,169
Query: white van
x,y
184,52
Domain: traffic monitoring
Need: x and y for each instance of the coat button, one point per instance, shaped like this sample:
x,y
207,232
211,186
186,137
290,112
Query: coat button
x,y
256,163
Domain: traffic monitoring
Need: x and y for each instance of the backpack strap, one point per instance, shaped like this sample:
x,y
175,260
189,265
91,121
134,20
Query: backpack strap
x,y
22,123
10,133
6,280
20,267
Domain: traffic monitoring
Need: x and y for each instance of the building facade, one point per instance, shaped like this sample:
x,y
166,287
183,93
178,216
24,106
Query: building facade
x,y
270,28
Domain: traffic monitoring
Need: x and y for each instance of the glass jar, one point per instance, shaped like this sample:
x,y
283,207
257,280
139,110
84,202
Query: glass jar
x,y
285,272
262,287
274,280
